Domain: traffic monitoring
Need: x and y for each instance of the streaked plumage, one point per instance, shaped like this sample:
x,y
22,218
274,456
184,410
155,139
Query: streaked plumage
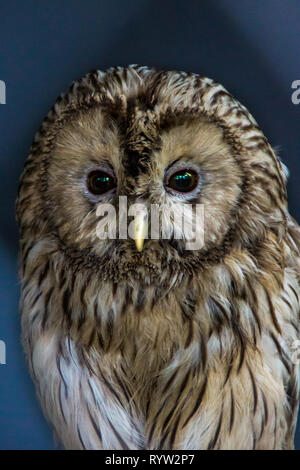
x,y
166,348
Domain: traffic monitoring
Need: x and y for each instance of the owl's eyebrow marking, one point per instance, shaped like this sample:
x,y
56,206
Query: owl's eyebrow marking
x,y
96,161
174,162
102,162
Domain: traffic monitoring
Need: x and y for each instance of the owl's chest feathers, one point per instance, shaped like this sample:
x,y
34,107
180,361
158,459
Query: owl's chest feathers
x,y
163,372
115,400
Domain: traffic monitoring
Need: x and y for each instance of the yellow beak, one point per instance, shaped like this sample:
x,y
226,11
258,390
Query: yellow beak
x,y
140,230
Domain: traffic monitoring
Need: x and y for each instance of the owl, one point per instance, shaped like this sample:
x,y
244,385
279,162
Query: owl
x,y
142,342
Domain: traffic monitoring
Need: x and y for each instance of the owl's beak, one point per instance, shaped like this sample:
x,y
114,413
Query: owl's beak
x,y
140,230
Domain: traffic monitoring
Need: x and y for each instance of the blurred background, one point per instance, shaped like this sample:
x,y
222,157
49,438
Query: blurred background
x,y
250,46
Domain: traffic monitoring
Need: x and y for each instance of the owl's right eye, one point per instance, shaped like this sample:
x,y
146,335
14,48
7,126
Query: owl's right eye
x,y
99,182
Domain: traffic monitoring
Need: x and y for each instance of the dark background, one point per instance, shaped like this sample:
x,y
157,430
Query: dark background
x,y
252,47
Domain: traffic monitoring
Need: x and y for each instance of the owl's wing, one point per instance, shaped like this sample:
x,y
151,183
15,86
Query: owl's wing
x,y
292,391
293,239
293,383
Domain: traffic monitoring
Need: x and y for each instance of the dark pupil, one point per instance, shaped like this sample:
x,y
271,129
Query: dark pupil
x,y
100,182
183,181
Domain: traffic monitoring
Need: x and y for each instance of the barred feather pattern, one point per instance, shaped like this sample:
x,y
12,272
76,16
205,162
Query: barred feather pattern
x,y
165,351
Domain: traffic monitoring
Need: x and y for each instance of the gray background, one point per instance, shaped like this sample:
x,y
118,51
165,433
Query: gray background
x,y
251,46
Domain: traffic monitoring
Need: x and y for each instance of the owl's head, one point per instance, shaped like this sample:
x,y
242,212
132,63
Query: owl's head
x,y
168,141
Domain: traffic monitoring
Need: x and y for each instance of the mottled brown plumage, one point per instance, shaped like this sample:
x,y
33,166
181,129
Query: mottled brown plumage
x,y
164,348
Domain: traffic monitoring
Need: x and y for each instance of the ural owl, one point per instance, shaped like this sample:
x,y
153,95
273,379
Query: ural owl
x,y
156,346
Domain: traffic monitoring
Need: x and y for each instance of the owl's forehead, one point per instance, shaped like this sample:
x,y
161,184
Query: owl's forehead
x,y
136,116
135,136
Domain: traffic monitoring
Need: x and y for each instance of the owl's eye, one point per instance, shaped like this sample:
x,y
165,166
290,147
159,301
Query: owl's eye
x,y
183,181
100,182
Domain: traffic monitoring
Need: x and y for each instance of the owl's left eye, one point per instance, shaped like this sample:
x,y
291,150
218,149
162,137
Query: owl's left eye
x,y
183,181
100,182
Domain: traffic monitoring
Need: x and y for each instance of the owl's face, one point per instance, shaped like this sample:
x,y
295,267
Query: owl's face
x,y
163,139
96,160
